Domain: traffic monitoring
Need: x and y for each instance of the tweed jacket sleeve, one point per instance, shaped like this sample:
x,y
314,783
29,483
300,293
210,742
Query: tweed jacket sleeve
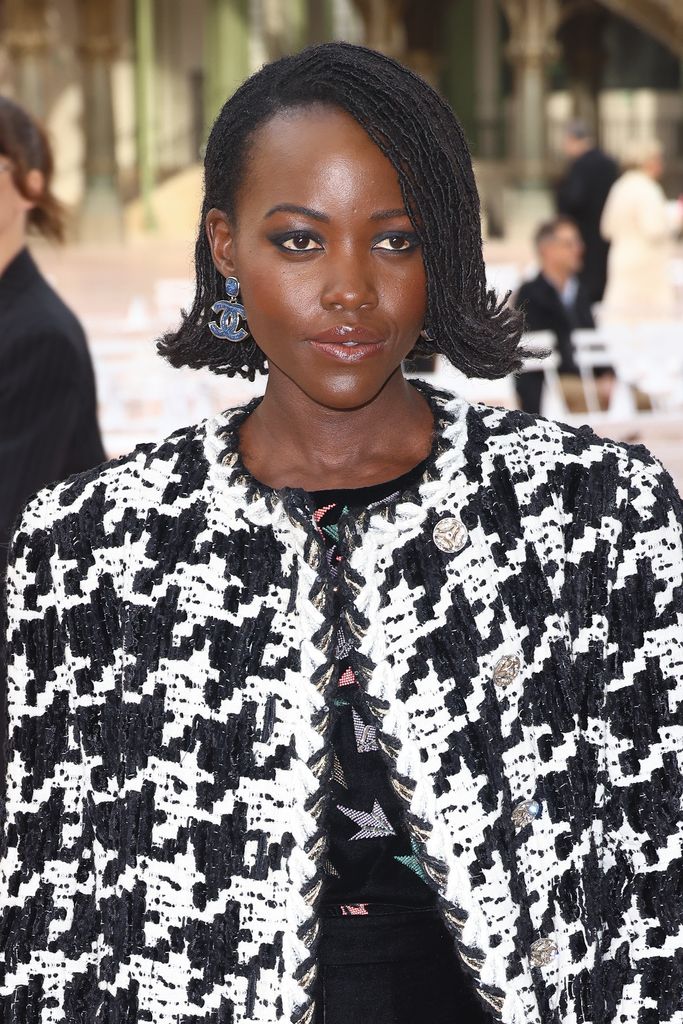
x,y
59,589
641,725
46,875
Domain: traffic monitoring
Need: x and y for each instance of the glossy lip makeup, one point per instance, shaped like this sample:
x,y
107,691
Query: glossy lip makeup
x,y
348,344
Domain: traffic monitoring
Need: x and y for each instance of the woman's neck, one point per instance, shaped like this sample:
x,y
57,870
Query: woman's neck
x,y
11,244
292,441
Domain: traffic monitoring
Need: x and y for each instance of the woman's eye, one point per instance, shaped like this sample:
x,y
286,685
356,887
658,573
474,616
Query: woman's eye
x,y
396,243
300,243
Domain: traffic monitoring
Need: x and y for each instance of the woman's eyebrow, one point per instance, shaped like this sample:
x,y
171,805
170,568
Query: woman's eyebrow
x,y
306,211
293,208
388,214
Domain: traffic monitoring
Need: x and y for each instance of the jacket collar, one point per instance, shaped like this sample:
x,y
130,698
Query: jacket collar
x,y
262,502
18,275
546,290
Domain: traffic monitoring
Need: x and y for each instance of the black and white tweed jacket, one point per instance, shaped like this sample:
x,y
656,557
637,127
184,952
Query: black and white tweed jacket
x,y
517,624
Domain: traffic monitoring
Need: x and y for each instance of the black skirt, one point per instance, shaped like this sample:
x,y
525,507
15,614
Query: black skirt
x,y
394,968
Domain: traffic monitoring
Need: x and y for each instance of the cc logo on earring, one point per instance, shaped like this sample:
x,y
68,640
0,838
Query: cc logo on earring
x,y
231,311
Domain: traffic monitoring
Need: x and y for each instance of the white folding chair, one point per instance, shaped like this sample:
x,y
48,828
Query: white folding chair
x,y
473,389
544,357
590,348
131,388
503,277
660,348
142,398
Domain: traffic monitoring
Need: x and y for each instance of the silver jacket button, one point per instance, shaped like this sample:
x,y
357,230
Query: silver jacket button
x,y
543,951
449,535
506,670
525,812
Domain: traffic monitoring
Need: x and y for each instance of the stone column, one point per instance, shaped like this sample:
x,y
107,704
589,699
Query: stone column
x,y
487,84
27,39
581,36
384,28
144,100
101,212
530,48
296,26
487,114
320,18
227,52
458,70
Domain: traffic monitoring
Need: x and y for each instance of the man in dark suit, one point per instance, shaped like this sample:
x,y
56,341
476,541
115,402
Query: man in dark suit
x,y
556,301
581,195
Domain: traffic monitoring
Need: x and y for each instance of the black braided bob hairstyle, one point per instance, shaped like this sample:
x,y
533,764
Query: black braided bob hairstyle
x,y
419,133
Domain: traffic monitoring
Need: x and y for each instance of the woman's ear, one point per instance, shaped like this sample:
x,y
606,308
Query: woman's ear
x,y
34,185
221,242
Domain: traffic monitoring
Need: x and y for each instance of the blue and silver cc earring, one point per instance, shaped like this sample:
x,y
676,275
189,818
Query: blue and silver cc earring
x,y
231,311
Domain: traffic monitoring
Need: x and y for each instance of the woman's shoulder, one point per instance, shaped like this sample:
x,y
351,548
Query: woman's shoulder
x,y
592,486
532,447
537,447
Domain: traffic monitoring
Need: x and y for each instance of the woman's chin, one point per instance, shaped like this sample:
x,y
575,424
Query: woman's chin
x,y
345,388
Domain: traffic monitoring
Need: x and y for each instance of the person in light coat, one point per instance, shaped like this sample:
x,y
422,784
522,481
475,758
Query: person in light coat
x,y
640,223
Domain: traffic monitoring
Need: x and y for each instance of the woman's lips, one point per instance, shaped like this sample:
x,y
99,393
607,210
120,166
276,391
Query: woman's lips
x,y
348,344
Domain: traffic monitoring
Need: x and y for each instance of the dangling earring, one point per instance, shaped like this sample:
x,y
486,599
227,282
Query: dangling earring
x,y
426,334
231,311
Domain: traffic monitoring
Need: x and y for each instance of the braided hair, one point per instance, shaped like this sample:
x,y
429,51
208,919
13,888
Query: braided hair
x,y
419,133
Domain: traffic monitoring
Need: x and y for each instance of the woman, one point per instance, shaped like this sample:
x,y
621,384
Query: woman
x,y
48,425
350,704
640,224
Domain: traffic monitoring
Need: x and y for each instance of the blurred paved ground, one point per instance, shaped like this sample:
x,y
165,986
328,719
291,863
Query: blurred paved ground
x,y
116,292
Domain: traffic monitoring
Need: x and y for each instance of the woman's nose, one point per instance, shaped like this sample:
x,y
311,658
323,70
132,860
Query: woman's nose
x,y
349,285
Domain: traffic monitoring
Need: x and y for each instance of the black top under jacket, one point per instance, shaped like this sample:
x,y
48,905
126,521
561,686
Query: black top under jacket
x,y
581,195
371,868
48,423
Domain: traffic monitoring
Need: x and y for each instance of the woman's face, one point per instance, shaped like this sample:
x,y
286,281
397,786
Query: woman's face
x,y
330,269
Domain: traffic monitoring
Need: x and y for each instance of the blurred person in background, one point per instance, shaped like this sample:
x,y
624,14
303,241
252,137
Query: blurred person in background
x,y
48,424
581,195
640,223
556,300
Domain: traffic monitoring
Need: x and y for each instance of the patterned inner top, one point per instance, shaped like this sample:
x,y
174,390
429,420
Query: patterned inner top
x,y
371,867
